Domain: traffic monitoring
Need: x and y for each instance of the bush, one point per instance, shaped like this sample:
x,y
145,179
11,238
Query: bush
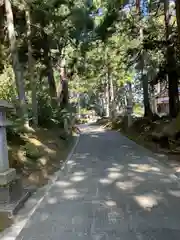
x,y
7,91
45,110
32,151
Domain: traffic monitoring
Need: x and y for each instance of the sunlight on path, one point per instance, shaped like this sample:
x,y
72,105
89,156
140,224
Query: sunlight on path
x,y
111,189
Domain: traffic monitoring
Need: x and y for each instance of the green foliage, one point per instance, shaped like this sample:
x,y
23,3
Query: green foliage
x,y
32,152
45,110
7,91
137,109
95,49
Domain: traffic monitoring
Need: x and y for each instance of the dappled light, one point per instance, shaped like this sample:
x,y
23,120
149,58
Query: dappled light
x,y
63,184
118,166
35,142
110,203
166,180
101,192
71,163
143,168
94,136
148,201
90,73
114,175
90,130
126,146
113,169
105,181
77,178
82,156
138,178
79,173
127,185
52,200
71,193
175,193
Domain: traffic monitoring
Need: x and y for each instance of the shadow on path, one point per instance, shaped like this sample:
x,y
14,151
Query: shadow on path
x,y
110,189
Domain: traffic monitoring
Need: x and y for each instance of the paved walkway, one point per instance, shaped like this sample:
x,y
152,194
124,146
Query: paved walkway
x,y
112,189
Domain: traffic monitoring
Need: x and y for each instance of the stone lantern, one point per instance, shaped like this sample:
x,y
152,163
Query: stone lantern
x,y
12,194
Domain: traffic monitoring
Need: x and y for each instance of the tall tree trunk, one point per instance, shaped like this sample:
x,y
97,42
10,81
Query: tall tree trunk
x,y
129,104
15,62
138,6
147,108
1,37
172,83
153,101
107,82
171,67
144,79
31,68
178,20
64,85
103,98
111,94
107,98
49,69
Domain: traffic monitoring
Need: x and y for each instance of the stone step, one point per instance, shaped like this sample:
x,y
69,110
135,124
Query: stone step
x,y
13,197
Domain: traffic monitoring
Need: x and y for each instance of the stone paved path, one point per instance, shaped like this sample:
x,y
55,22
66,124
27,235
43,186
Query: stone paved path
x,y
111,189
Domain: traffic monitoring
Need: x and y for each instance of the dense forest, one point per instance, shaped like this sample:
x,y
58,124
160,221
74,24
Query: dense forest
x,y
93,45
95,48
59,56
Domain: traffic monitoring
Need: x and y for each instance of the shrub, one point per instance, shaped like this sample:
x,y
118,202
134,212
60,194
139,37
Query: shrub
x,y
32,151
7,91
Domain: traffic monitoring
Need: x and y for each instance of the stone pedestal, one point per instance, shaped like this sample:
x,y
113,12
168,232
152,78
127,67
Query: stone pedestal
x,y
12,194
7,176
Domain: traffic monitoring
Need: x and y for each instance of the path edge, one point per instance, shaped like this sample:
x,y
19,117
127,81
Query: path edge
x,y
13,231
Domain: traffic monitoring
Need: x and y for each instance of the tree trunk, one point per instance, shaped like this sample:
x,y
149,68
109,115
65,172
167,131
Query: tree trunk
x,y
51,80
178,19
16,64
171,67
138,6
49,69
147,108
107,82
103,98
172,83
111,94
64,100
103,104
129,104
107,97
31,69
111,89
153,101
144,78
1,38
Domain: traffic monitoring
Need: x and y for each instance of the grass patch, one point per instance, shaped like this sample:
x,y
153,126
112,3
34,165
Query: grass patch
x,y
41,153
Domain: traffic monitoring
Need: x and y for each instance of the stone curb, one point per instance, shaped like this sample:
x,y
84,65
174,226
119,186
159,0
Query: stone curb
x,y
34,202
